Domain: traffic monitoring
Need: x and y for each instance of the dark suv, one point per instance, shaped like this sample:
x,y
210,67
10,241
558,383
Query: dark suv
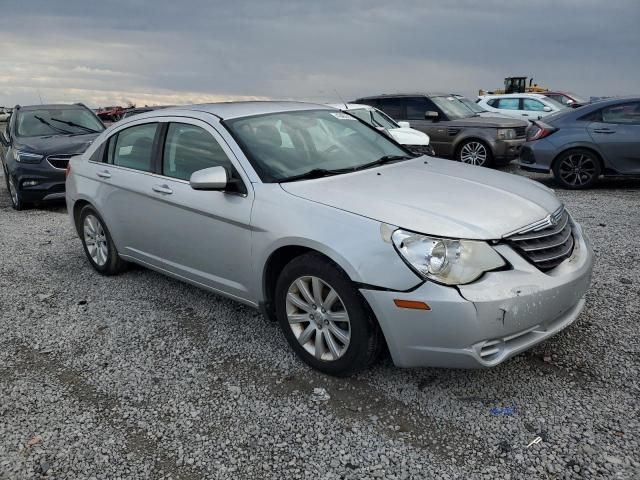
x,y
455,131
36,147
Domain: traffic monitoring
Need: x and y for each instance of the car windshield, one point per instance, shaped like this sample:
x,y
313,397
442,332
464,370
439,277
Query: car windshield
x,y
291,144
452,107
374,118
473,106
56,121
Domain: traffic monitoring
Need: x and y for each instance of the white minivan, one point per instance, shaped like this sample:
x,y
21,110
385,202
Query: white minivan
x,y
528,106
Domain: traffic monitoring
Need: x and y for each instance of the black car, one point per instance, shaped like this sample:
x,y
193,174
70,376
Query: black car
x,y
36,147
455,131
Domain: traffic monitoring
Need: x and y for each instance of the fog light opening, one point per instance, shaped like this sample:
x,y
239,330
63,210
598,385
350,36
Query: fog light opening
x,y
30,183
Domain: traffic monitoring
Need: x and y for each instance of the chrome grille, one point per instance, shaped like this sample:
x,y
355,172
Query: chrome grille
x,y
520,132
420,149
60,160
548,245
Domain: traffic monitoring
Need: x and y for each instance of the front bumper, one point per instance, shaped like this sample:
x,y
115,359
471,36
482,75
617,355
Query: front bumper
x,y
51,181
486,322
506,150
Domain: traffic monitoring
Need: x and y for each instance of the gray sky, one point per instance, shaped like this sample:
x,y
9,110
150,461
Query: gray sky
x,y
185,51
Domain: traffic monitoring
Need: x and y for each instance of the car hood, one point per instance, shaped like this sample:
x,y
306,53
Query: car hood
x,y
409,136
58,144
436,197
491,122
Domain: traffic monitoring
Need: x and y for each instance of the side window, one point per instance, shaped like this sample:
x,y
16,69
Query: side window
x,y
493,102
392,107
509,103
98,155
189,148
532,105
133,147
416,108
628,113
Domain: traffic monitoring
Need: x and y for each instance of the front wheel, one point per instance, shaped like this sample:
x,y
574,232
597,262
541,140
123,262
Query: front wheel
x,y
98,244
324,318
577,169
475,152
16,199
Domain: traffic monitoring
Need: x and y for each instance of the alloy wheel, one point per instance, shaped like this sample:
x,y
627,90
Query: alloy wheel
x,y
318,318
95,238
474,153
577,169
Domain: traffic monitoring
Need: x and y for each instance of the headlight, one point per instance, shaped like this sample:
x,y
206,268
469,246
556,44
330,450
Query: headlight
x,y
506,133
453,262
27,157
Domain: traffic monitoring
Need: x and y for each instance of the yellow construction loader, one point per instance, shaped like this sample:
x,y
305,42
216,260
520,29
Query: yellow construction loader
x,y
516,85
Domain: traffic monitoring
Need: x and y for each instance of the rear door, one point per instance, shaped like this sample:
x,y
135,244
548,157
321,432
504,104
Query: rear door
x,y
617,133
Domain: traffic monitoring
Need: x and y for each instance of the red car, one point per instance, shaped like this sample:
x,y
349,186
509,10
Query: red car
x,y
567,99
112,114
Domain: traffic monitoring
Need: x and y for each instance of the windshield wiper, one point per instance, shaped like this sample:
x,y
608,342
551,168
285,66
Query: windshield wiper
x,y
316,173
74,124
42,120
381,161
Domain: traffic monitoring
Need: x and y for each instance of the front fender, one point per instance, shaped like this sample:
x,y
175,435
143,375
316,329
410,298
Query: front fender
x,y
353,242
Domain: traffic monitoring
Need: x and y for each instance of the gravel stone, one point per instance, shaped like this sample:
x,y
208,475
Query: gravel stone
x,y
147,377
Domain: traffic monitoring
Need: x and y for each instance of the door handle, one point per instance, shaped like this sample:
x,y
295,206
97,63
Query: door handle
x,y
603,130
104,174
525,114
162,189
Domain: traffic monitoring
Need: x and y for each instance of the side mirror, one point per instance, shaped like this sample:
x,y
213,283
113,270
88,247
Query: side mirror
x,y
404,124
547,109
213,178
431,115
570,102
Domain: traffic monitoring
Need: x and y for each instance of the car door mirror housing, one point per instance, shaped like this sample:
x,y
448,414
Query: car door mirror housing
x,y
547,109
431,115
404,124
213,178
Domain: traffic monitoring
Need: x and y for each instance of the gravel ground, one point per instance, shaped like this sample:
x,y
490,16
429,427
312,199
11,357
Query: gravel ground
x,y
140,376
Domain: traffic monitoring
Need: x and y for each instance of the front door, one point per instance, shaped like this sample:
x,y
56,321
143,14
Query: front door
x,y
203,236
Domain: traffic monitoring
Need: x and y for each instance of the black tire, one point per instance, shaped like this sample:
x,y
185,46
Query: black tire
x,y
365,342
14,193
577,169
475,144
113,264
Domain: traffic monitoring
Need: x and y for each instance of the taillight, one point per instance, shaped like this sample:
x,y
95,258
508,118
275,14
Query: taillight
x,y
67,170
539,130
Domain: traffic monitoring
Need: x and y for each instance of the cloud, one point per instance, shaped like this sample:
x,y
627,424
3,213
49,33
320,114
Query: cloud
x,y
202,49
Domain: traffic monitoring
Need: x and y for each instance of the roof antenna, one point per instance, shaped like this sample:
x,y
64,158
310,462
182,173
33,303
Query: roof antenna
x,y
40,95
341,99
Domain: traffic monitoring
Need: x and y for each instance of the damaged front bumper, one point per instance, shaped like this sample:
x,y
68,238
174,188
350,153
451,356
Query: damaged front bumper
x,y
488,321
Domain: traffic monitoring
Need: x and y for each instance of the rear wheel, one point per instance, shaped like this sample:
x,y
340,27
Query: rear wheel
x,y
98,244
475,152
324,318
577,169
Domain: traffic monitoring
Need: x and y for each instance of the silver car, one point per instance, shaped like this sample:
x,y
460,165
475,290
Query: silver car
x,y
335,231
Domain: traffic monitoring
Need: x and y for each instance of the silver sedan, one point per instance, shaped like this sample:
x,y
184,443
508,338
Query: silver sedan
x,y
335,231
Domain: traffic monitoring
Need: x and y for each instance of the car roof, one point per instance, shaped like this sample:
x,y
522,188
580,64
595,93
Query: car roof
x,y
399,95
350,106
228,110
50,106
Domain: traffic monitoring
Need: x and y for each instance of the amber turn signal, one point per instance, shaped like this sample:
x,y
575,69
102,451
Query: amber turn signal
x,y
413,304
